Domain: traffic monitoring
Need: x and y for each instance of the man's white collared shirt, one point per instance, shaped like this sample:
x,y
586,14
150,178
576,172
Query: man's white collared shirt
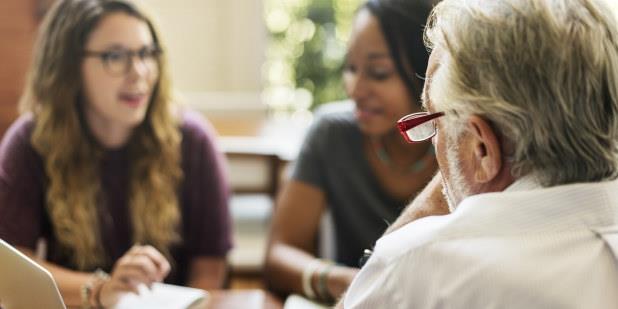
x,y
541,248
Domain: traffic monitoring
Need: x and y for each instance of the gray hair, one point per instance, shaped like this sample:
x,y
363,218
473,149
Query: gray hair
x,y
543,73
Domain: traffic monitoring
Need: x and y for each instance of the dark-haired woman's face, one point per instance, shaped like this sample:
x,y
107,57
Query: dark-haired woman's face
x,y
371,79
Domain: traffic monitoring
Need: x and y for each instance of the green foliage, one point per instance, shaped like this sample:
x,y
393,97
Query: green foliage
x,y
306,51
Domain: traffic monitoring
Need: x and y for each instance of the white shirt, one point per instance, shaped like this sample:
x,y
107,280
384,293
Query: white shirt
x,y
522,248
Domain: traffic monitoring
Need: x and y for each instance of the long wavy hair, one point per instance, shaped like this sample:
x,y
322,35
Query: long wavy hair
x,y
53,94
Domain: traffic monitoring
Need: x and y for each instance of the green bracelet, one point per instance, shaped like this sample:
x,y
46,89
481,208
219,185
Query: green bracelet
x,y
322,287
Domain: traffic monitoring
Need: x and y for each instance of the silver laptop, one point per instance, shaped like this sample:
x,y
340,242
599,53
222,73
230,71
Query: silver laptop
x,y
24,284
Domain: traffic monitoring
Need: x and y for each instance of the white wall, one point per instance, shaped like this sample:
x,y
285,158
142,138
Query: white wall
x,y
215,46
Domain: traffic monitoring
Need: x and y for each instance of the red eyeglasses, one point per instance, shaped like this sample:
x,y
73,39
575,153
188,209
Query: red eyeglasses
x,y
418,127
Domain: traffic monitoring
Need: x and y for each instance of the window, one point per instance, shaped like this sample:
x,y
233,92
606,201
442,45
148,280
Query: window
x,y
305,52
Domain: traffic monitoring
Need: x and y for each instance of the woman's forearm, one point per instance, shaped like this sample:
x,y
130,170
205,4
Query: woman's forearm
x,y
286,265
207,273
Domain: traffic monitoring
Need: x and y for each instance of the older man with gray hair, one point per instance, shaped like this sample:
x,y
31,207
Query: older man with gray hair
x,y
522,107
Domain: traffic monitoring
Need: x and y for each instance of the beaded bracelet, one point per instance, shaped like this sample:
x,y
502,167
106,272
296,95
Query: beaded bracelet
x,y
93,284
102,278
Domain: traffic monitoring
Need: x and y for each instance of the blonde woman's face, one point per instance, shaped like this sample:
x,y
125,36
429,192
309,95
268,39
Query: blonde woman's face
x,y
118,73
371,78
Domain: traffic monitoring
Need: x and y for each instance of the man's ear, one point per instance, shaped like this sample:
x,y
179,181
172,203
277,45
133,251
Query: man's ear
x,y
486,150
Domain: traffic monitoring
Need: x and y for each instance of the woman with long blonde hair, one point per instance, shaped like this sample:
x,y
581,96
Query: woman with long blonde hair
x,y
104,168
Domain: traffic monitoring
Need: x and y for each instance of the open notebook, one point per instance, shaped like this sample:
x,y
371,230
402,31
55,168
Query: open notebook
x,y
165,296
296,301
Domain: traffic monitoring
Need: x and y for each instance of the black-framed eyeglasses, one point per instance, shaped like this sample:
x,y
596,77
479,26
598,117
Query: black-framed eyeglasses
x,y
418,127
119,61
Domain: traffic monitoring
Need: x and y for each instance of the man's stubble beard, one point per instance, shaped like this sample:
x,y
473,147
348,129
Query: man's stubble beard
x,y
454,186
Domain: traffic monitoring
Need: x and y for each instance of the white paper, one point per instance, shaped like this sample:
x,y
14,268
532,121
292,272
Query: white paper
x,y
162,296
295,301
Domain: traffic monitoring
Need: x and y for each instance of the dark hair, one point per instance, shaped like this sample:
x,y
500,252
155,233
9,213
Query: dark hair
x,y
402,23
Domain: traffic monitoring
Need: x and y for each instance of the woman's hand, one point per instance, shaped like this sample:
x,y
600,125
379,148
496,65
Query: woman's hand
x,y
339,278
140,265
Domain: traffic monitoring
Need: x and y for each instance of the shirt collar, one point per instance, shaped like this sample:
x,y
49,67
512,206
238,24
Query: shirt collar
x,y
524,183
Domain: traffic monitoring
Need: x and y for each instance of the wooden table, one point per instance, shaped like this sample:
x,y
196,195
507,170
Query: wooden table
x,y
234,299
245,299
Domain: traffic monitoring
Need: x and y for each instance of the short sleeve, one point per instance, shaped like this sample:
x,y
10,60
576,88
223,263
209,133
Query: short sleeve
x,y
206,192
309,164
21,186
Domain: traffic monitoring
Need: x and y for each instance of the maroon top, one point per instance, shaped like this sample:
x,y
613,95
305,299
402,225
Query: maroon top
x,y
203,198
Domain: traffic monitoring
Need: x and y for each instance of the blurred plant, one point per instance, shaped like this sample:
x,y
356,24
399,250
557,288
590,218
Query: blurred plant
x,y
305,52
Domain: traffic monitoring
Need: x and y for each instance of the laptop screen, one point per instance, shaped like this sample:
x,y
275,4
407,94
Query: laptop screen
x,y
22,278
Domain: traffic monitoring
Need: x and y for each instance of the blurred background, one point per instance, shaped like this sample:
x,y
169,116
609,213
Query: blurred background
x,y
255,68
251,60
272,58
